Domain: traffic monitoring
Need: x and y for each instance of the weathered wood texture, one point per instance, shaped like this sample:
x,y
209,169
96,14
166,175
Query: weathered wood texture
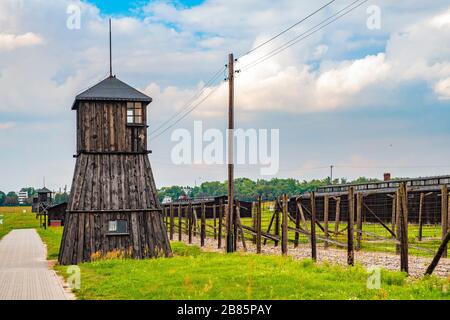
x,y
102,127
113,180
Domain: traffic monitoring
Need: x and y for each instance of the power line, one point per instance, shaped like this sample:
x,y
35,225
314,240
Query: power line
x,y
288,29
197,95
187,113
306,34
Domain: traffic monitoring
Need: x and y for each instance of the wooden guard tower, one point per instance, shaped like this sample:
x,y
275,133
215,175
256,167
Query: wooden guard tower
x,y
113,204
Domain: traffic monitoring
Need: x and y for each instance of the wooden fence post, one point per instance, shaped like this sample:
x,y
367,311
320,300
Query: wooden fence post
x,y
403,228
180,227
338,216
254,223
313,227
219,235
350,221
194,220
258,226
297,224
444,215
326,207
422,197
215,222
190,222
284,238
203,226
277,221
172,224
398,209
359,200
394,212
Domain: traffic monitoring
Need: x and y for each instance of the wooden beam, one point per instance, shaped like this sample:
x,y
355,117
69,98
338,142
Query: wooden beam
x,y
379,220
444,215
359,222
403,228
203,226
313,227
258,226
180,236
221,214
326,208
350,221
338,215
172,223
438,255
284,238
422,196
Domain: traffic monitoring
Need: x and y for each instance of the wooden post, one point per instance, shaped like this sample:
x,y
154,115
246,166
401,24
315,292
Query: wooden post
x,y
422,196
403,228
326,207
230,228
219,235
350,221
180,226
239,225
190,222
359,200
277,222
258,226
338,215
398,209
444,215
235,225
394,211
203,226
172,223
254,223
195,220
215,222
270,225
297,225
313,227
439,254
284,239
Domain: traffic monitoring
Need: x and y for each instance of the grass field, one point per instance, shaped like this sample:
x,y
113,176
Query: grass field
x,y
193,274
15,218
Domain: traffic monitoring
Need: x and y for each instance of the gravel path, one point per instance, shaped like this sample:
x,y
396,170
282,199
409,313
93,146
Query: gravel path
x,y
417,265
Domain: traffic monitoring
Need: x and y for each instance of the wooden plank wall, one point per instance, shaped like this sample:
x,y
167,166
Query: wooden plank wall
x,y
102,127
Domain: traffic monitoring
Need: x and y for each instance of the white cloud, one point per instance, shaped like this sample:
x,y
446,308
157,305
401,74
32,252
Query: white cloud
x,y
12,41
7,125
442,88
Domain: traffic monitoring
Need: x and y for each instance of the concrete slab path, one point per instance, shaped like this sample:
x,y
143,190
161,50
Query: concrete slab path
x,y
24,271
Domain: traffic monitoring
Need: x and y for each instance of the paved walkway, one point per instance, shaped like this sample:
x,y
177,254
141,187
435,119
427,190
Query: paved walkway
x,y
24,272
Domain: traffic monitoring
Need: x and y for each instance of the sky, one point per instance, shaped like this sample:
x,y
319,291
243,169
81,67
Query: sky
x,y
367,96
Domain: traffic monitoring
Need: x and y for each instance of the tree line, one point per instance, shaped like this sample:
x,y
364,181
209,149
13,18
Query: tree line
x,y
249,190
12,199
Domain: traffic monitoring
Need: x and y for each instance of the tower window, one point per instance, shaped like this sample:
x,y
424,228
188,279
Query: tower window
x,y
134,113
118,227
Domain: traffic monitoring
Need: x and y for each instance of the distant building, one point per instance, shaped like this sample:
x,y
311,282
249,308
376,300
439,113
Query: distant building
x,y
22,196
167,200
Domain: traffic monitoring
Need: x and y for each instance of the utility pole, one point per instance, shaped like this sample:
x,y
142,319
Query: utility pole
x,y
230,212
